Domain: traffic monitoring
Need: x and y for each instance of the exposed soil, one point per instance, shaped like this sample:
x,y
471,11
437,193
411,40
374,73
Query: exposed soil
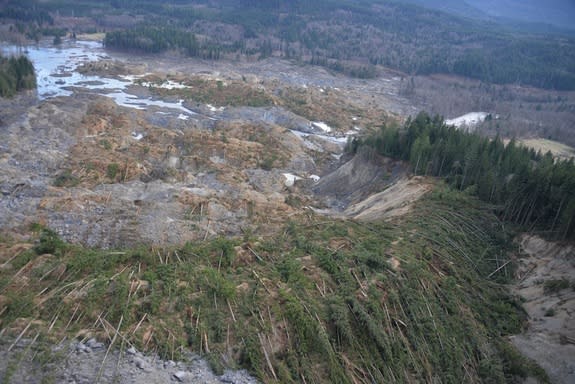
x,y
394,201
109,176
546,284
89,361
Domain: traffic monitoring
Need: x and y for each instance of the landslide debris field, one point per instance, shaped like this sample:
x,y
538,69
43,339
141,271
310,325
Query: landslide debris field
x,y
135,239
105,175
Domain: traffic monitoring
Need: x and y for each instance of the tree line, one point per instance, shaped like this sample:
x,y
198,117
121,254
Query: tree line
x,y
528,188
16,74
155,39
332,33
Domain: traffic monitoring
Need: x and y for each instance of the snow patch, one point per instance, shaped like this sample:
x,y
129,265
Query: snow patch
x,y
214,109
321,125
167,84
290,179
469,120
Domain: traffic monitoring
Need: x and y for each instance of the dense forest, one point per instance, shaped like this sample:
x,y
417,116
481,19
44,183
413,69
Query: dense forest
x,y
16,74
530,189
155,39
349,36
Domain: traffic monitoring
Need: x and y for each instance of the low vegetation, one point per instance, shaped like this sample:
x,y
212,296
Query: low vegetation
x,y
322,301
214,92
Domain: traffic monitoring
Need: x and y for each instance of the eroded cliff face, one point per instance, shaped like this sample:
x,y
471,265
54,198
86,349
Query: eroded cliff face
x,y
545,284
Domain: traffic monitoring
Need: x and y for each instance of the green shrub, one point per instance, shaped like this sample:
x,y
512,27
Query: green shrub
x,y
555,285
112,171
49,242
66,179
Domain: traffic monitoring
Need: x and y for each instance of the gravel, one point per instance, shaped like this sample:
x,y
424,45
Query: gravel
x,y
89,362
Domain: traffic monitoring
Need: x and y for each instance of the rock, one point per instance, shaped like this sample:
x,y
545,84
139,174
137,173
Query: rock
x,y
180,376
95,344
141,363
131,351
80,347
169,364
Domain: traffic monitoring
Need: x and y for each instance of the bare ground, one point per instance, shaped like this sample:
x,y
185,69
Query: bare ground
x,y
546,275
397,200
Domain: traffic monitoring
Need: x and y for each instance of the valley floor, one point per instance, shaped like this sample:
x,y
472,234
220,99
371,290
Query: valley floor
x,y
275,223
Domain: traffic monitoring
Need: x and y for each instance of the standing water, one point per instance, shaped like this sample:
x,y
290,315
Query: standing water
x,y
57,75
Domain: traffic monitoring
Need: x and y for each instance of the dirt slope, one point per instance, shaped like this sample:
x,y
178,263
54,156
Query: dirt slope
x,y
546,278
395,201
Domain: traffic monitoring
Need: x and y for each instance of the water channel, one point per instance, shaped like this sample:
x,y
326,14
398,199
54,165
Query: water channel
x,y
57,75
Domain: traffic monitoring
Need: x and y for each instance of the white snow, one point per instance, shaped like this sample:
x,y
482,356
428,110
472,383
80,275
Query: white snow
x,y
137,136
321,125
181,116
469,120
214,109
290,179
167,84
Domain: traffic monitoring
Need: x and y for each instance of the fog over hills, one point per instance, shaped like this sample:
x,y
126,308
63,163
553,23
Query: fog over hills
x,y
560,13
557,13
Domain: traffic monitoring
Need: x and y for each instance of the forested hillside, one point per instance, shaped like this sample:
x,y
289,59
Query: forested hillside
x,y
556,12
348,36
527,188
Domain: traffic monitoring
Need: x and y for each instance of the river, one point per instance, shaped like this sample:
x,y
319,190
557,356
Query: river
x,y
57,75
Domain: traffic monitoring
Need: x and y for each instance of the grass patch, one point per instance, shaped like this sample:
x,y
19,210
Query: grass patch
x,y
218,93
66,179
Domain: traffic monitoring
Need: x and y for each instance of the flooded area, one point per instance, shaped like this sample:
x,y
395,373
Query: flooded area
x,y
57,75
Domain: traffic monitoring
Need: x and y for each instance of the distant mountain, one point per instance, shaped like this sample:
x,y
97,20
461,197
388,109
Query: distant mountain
x,y
456,7
560,13
531,15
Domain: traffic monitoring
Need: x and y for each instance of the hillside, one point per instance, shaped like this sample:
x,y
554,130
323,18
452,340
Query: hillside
x,y
556,12
193,201
134,229
328,301
350,37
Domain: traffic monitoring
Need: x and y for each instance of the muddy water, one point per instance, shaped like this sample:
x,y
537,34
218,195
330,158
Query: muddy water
x,y
57,75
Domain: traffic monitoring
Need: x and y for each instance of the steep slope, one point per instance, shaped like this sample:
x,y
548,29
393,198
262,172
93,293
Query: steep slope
x,y
322,300
545,284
